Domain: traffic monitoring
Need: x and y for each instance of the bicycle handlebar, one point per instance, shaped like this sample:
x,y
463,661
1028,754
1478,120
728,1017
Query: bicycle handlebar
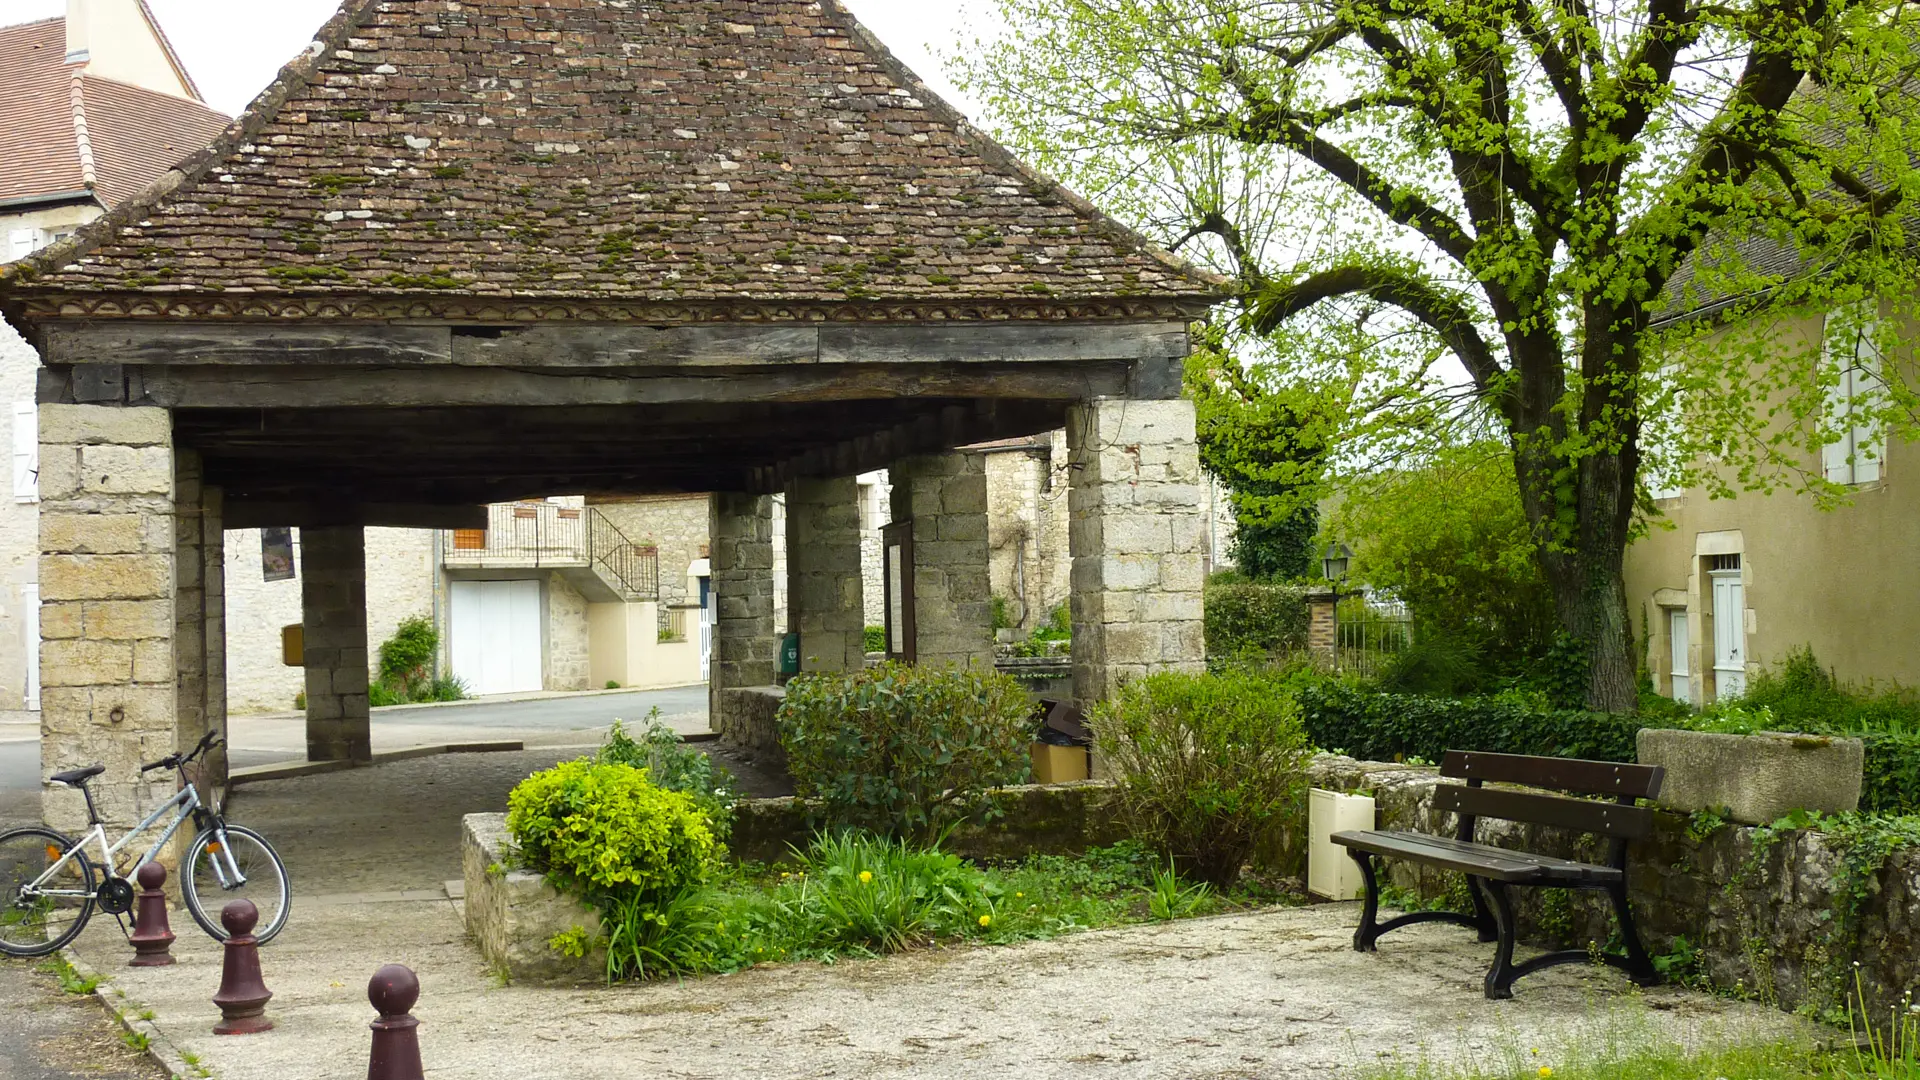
x,y
207,742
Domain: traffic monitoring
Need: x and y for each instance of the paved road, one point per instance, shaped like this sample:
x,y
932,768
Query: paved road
x,y
562,720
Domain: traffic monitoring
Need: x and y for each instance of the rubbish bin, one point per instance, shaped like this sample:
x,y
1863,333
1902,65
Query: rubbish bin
x,y
1061,744
789,657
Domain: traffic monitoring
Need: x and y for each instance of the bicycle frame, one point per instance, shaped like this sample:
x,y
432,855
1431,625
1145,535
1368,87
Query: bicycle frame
x,y
184,804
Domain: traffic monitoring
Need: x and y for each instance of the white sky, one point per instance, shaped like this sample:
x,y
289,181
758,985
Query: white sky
x,y
233,48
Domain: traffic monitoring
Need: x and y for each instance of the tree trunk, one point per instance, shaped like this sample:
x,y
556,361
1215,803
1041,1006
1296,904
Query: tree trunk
x,y
1591,598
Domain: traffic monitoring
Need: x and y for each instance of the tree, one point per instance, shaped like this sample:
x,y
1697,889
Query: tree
x,y
1539,186
1262,439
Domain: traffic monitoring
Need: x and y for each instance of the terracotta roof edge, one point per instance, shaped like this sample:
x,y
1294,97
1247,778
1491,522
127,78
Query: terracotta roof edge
x,y
293,78
82,142
991,149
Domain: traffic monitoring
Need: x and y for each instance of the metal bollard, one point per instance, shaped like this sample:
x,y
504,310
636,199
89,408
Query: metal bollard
x,y
396,1035
152,938
243,995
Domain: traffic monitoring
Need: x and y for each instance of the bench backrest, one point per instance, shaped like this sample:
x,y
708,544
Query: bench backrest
x,y
1619,820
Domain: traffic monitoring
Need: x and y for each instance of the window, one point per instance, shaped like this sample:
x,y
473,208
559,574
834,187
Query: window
x,y
1680,671
26,452
1852,348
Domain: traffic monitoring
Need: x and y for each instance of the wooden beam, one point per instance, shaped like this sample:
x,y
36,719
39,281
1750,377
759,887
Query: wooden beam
x,y
952,426
324,386
603,345
245,513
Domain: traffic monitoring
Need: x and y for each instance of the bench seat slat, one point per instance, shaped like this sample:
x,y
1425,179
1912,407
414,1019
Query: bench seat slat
x,y
1480,860
1587,815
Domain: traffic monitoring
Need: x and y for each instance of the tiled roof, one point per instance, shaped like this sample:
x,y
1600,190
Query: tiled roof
x,y
651,150
70,132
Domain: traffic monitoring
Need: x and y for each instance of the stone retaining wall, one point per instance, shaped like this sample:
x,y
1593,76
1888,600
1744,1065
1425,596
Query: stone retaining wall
x,y
1049,819
1761,907
513,914
744,720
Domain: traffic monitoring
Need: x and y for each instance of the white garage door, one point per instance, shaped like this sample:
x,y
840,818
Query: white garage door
x,y
496,635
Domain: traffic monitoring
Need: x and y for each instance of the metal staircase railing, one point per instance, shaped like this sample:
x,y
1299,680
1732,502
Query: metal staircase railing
x,y
630,569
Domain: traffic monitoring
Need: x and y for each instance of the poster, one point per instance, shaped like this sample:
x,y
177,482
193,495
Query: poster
x,y
276,554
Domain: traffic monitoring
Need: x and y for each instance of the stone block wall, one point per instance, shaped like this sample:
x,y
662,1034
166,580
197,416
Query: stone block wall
x,y
107,543
743,626
1135,534
876,501
744,719
19,532
200,652
568,658
512,913
677,525
826,597
1027,526
945,495
333,591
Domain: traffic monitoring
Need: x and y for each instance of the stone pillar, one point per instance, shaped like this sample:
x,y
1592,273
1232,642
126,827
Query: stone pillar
x,y
1134,502
945,495
333,605
200,637
826,600
741,534
107,607
1323,625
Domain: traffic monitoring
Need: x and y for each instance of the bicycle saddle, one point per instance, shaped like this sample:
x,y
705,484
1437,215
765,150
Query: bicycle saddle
x,y
76,777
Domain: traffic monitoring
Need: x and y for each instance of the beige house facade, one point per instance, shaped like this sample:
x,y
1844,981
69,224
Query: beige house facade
x,y
1722,588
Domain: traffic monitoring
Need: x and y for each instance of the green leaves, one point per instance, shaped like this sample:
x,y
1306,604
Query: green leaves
x,y
597,828
904,750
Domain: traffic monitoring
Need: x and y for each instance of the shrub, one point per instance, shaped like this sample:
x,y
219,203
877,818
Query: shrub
x,y
874,639
1253,620
406,658
601,829
1208,765
903,750
1375,726
672,764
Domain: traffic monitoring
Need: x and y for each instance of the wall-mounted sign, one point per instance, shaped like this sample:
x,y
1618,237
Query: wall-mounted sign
x,y
276,554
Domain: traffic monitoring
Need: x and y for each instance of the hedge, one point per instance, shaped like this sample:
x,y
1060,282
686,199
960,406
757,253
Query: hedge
x,y
1375,726
1254,618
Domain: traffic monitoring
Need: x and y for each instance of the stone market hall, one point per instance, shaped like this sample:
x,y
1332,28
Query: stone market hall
x,y
466,252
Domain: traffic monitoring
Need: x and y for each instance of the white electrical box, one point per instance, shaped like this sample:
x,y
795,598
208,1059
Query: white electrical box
x,y
1331,872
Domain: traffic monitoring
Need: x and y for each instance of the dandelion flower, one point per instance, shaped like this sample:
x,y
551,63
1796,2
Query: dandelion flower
x,y
1019,896
866,875
986,921
1546,1070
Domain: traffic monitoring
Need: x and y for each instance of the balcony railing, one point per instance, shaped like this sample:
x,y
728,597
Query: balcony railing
x,y
548,535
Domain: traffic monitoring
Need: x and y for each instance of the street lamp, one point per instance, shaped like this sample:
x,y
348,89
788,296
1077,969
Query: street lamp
x,y
1333,564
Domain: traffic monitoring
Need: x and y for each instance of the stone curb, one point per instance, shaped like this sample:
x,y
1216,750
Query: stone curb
x,y
253,774
159,1048
491,699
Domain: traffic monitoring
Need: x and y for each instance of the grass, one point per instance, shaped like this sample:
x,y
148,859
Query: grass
x,y
853,895
71,980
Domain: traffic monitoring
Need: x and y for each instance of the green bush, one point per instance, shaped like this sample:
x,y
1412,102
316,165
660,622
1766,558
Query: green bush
x,y
602,829
1253,620
672,764
1371,725
903,750
1208,765
406,658
874,639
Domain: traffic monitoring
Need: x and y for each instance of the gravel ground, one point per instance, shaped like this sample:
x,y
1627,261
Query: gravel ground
x,y
1275,994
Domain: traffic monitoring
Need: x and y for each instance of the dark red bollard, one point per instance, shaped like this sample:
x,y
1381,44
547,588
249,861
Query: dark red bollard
x,y
243,995
396,1035
151,937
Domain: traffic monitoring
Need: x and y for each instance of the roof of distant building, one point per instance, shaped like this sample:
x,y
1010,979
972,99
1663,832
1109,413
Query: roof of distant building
x,y
658,152
71,134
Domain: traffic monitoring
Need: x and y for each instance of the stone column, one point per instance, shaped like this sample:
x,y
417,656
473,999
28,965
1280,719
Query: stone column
x,y
107,607
1323,625
826,602
945,495
1134,503
200,637
741,535
333,604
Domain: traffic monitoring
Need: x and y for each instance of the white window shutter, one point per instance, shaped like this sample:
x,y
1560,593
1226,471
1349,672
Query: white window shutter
x,y
22,243
1866,400
1836,457
26,452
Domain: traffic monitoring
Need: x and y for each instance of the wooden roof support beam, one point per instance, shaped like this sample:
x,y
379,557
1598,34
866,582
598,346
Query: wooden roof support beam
x,y
244,513
950,427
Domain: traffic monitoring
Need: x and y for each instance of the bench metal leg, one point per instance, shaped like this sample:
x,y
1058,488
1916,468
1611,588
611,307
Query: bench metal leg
x,y
1482,914
1639,965
1500,976
1369,929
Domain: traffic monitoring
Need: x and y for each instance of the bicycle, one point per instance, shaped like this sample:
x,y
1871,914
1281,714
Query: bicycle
x,y
49,887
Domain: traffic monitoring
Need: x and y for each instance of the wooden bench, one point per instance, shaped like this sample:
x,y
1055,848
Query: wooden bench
x,y
1491,871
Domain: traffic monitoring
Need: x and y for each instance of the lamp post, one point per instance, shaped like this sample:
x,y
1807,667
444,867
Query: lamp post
x,y
1333,564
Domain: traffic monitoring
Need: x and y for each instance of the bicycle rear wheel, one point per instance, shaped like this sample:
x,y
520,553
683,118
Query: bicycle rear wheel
x,y
34,922
206,881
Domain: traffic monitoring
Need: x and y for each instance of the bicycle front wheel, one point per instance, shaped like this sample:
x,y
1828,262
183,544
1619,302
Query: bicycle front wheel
x,y
208,882
41,911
